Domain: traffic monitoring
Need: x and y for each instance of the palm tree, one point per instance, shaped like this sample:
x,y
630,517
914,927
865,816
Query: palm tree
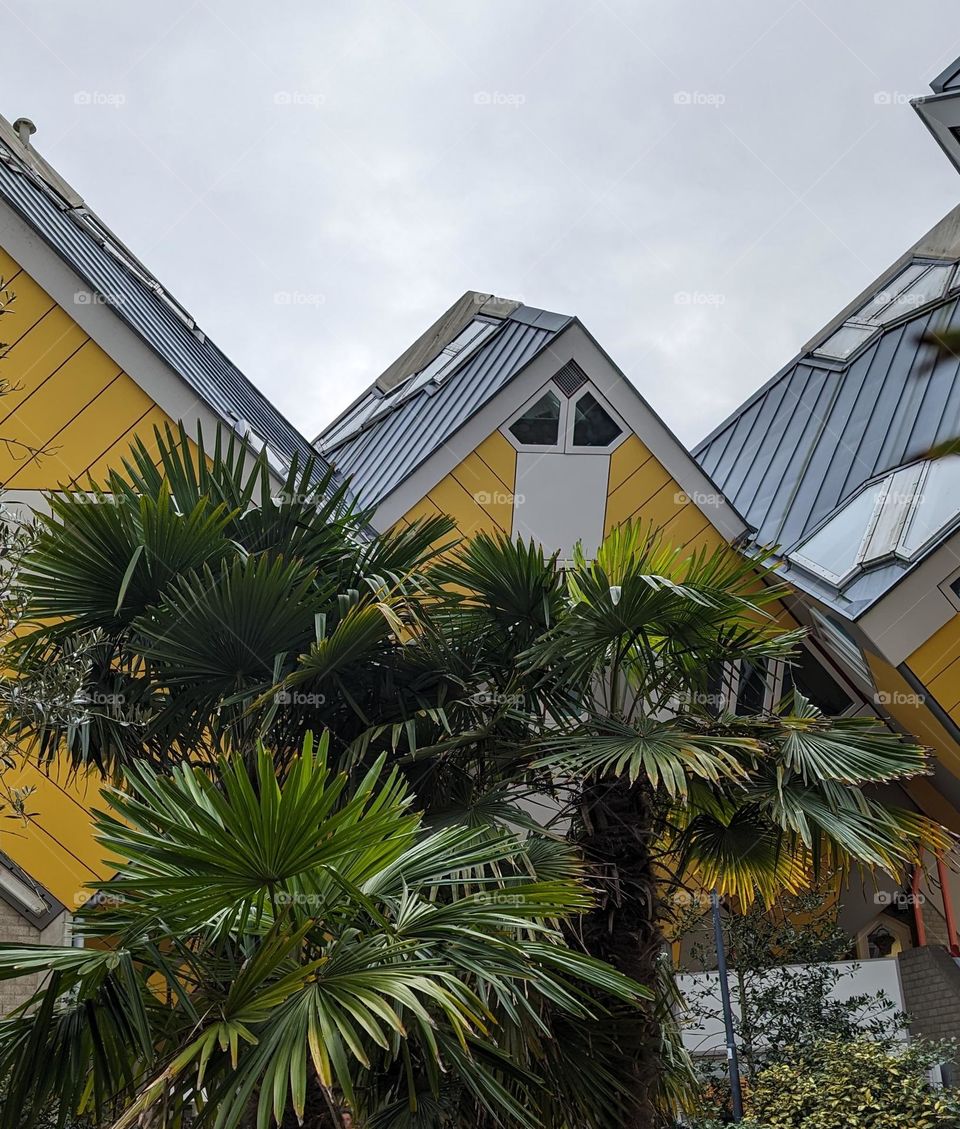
x,y
611,664
215,612
191,585
264,934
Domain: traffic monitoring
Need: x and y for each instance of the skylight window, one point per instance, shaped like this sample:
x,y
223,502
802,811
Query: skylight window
x,y
916,286
936,505
897,517
443,364
471,337
352,422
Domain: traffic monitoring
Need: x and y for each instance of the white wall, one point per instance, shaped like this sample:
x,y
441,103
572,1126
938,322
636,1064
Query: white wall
x,y
705,1036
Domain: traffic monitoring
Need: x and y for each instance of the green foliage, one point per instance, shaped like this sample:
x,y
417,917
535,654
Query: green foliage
x,y
870,1085
193,588
783,980
215,612
267,937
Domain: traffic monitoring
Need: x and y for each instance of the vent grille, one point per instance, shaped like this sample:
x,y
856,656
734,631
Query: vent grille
x,y
571,378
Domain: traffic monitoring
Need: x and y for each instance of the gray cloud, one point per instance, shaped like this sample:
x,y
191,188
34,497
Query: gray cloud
x,y
703,184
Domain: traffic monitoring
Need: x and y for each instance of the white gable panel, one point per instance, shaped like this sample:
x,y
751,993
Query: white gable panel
x,y
563,500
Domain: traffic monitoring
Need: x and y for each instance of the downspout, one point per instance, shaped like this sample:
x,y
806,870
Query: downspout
x,y
947,907
921,929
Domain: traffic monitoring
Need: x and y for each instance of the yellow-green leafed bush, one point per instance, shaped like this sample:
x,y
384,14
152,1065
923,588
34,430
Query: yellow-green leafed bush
x,y
866,1085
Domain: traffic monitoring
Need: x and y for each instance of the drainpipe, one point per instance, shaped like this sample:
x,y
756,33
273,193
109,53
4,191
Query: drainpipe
x,y
948,907
918,924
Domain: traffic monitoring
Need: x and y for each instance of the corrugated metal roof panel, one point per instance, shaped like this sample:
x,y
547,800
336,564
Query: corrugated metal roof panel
x,y
93,253
379,459
797,450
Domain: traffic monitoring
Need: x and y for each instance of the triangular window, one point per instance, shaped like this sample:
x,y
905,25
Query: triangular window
x,y
539,426
592,425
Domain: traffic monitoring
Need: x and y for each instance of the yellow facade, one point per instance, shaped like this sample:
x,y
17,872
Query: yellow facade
x,y
69,400
640,489
69,413
478,494
937,664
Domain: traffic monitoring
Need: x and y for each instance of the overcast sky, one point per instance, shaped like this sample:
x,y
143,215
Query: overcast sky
x,y
705,184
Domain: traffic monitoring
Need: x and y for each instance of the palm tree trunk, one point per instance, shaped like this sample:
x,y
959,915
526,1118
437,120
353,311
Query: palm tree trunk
x,y
616,837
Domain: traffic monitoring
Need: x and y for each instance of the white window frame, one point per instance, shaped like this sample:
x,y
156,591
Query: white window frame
x,y
535,399
886,529
569,447
839,642
875,323
564,444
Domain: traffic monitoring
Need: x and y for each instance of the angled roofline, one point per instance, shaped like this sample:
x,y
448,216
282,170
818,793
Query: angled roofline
x,y
434,339
682,452
940,242
665,446
103,247
939,84
439,409
429,344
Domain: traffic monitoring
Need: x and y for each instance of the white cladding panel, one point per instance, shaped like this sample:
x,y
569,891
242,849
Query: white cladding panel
x,y
564,497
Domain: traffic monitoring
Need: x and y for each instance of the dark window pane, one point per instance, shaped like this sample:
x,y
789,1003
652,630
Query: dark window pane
x,y
815,683
540,425
751,690
714,698
592,427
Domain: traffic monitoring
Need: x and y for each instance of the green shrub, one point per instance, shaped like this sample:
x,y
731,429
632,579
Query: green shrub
x,y
837,1084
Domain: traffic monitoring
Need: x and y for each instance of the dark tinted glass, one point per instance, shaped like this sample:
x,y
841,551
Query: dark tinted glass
x,y
540,425
815,683
751,689
592,427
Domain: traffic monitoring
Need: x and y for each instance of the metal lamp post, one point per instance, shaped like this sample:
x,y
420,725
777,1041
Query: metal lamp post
x,y
733,1065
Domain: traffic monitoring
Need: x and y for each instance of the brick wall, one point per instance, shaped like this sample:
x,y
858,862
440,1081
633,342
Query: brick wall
x,y
14,928
931,994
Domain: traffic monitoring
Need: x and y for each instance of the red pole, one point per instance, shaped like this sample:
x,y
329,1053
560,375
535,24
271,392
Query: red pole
x,y
947,906
918,908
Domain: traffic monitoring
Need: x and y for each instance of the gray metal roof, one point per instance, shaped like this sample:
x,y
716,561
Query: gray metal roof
x,y
948,79
377,460
819,430
80,238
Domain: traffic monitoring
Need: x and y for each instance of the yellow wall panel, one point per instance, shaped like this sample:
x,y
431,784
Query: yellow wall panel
x,y
9,268
940,651
452,499
477,494
112,459
39,419
95,429
56,846
626,460
501,457
487,489
901,701
687,522
631,498
36,355
420,511
663,506
71,396
28,305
